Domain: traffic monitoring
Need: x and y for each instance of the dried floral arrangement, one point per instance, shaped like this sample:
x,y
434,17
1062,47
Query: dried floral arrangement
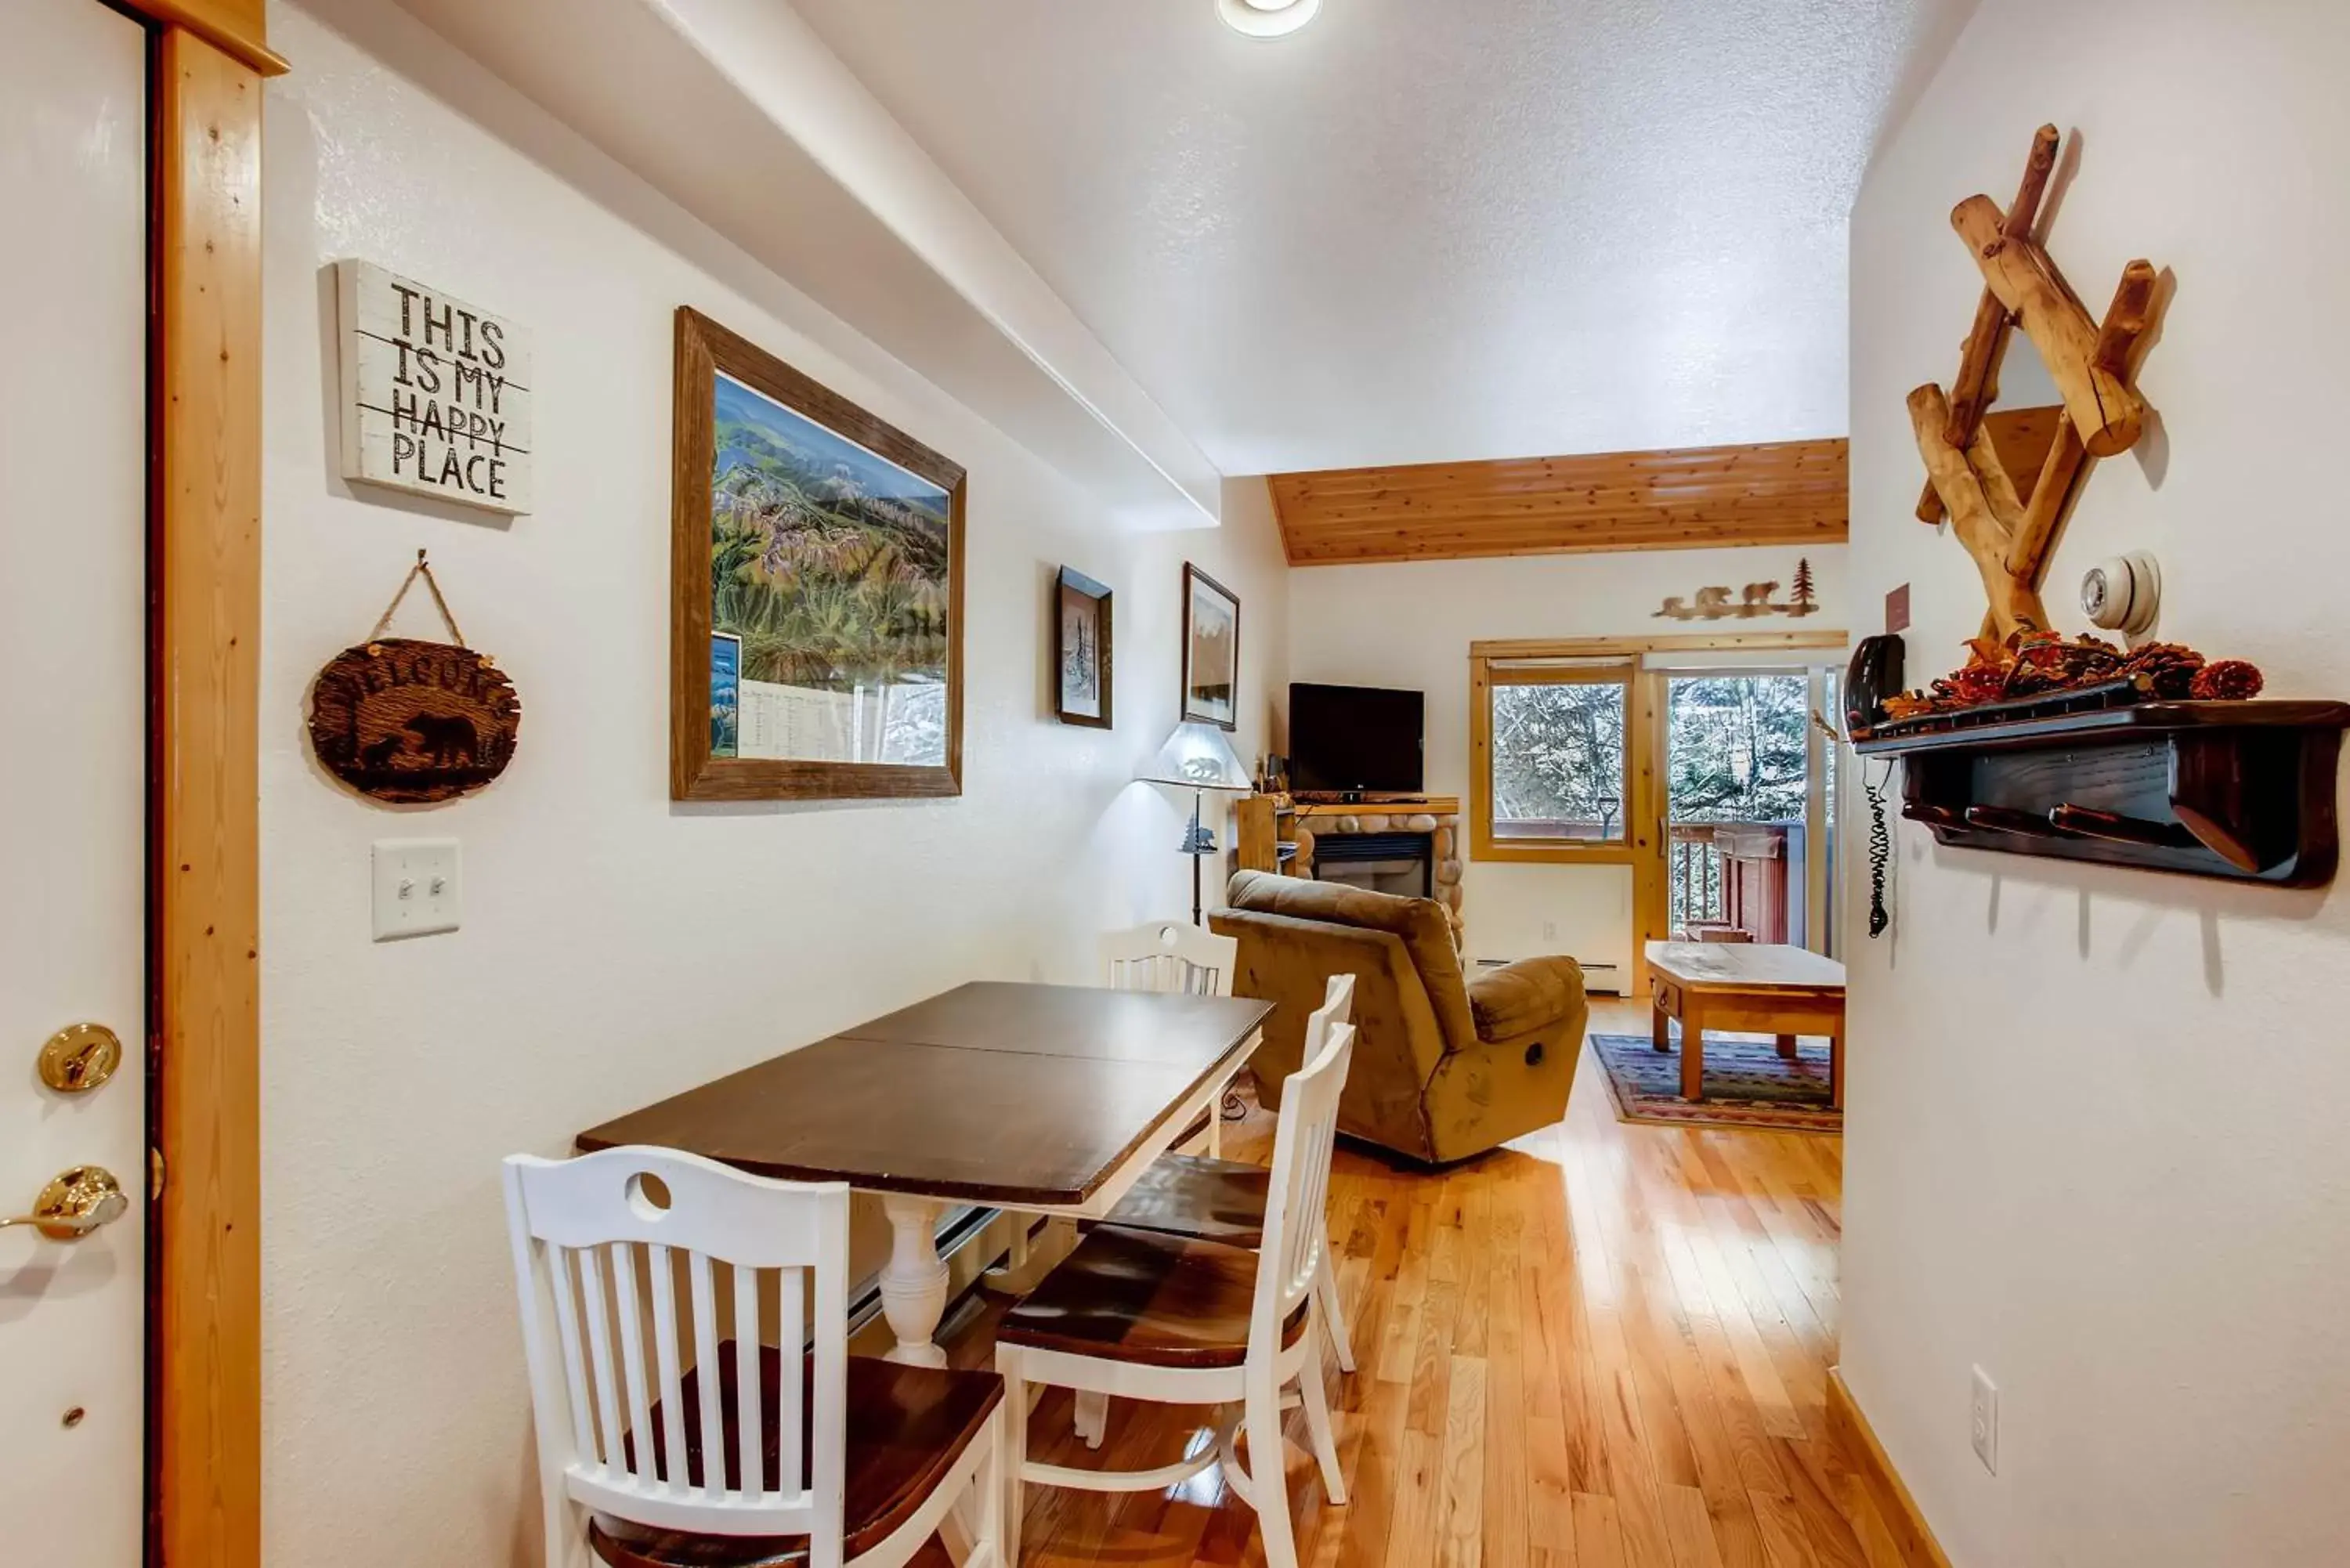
x,y
2029,664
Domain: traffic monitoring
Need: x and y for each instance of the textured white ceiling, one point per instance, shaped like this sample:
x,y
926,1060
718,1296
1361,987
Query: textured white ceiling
x,y
1424,230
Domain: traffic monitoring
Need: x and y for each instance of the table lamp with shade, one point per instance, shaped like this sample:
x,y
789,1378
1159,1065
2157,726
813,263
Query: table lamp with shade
x,y
1198,758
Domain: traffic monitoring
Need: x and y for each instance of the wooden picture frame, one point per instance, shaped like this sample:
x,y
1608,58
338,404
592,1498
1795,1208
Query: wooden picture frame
x,y
848,437
1078,597
1201,704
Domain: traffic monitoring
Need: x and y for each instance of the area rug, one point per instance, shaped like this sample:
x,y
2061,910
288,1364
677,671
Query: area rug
x,y
1746,1084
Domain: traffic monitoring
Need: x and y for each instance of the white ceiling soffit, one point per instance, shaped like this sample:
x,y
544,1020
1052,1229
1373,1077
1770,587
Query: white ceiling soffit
x,y
783,152
1425,230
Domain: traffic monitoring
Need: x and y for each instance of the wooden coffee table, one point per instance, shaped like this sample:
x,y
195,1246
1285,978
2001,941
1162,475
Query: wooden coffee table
x,y
1764,987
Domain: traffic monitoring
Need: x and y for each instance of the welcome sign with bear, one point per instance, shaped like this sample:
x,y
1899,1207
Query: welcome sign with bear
x,y
436,393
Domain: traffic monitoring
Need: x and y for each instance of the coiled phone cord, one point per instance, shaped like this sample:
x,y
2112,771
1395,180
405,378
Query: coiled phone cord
x,y
1880,850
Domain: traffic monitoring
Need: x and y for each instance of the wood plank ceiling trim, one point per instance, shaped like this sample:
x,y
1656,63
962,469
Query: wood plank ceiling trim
x,y
1770,492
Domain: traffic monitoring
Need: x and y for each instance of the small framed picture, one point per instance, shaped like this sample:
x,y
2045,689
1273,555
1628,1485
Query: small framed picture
x,y
1211,651
1081,651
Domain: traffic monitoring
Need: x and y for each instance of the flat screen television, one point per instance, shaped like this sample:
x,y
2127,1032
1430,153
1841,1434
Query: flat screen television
x,y
1346,739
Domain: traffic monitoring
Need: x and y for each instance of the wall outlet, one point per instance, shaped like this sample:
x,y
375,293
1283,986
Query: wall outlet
x,y
416,887
1550,931
1983,1425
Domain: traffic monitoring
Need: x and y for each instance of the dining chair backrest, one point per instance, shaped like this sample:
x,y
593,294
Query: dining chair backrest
x,y
1297,1228
634,1266
1170,956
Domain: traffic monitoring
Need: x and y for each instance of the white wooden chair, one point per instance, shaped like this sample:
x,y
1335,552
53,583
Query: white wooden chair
x,y
644,1274
1184,1194
1175,957
1170,956
1176,1320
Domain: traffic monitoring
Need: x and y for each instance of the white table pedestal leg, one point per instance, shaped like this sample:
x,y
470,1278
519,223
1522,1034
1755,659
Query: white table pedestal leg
x,y
914,1280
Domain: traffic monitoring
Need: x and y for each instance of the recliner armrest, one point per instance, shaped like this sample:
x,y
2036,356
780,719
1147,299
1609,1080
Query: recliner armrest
x,y
1525,996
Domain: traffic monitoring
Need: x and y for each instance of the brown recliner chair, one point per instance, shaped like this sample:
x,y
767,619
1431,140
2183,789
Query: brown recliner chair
x,y
1443,1069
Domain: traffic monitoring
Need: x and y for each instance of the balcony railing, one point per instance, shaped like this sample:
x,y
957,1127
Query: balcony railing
x,y
1729,873
1694,872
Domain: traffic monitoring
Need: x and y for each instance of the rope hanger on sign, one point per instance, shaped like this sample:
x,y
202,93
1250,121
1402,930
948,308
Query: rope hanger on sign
x,y
422,568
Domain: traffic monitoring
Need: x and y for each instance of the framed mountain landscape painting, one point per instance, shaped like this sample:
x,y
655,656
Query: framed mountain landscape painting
x,y
816,568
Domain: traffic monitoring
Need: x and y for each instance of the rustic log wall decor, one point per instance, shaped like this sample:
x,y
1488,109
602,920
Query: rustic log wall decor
x,y
409,722
2009,527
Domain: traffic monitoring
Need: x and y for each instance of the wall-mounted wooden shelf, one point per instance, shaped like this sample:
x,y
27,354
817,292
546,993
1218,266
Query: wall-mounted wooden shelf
x,y
2238,790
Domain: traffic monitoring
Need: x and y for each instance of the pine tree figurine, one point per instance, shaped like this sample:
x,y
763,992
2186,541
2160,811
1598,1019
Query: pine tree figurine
x,y
1805,602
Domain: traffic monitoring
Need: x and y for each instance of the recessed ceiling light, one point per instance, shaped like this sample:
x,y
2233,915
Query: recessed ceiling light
x,y
1267,18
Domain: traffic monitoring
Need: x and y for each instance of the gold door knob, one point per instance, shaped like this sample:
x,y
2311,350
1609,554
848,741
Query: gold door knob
x,y
78,1202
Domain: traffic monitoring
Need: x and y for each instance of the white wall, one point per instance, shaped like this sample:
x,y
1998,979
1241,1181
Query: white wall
x,y
1409,624
616,947
2095,1131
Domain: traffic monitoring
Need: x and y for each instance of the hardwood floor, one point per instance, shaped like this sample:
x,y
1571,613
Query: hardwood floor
x,y
1605,1347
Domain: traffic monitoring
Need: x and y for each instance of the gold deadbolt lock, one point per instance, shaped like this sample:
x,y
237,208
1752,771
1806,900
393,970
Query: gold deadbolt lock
x,y
78,1202
81,1057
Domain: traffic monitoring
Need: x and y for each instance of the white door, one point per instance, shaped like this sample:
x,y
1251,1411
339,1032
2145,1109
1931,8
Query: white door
x,y
73,770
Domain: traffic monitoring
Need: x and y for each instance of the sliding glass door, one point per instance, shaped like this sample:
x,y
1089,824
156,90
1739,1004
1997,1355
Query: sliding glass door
x,y
1748,841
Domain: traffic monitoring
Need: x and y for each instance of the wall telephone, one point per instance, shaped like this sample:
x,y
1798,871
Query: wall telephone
x,y
1875,675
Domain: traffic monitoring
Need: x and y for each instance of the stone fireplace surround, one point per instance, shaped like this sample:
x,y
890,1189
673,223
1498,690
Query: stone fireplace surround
x,y
1438,817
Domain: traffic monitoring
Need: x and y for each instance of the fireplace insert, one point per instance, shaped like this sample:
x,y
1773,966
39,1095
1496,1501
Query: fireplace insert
x,y
1399,863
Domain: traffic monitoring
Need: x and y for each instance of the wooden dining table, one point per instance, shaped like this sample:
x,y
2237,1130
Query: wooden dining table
x,y
1040,1099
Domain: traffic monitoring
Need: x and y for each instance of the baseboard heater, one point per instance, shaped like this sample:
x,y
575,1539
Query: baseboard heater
x,y
1604,978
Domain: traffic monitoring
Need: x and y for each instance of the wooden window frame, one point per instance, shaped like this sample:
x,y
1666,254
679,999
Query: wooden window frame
x,y
1484,844
202,1482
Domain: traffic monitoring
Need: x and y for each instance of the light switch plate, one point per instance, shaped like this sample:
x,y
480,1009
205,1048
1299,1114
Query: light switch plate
x,y
1983,1421
417,889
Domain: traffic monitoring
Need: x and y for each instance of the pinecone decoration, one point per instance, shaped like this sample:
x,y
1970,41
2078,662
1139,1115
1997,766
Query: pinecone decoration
x,y
2027,678
2169,667
2229,681
2084,661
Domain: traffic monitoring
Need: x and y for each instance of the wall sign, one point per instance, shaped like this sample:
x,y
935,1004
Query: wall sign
x,y
411,722
436,393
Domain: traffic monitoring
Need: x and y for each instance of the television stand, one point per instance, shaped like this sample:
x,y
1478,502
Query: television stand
x,y
1362,797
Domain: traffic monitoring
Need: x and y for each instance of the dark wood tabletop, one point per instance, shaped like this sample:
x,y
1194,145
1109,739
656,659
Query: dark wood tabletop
x,y
992,1093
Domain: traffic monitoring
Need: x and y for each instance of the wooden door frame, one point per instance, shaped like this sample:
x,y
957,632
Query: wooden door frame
x,y
202,1486
1644,848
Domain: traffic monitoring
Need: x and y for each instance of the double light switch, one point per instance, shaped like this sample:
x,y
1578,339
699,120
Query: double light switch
x,y
416,887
